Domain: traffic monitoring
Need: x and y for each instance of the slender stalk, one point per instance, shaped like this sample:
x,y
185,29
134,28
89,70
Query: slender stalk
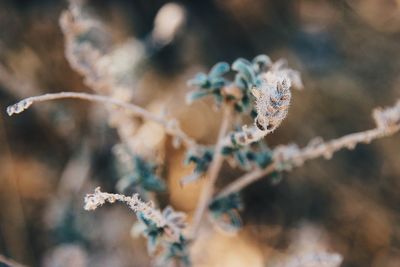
x,y
213,171
307,153
245,180
171,126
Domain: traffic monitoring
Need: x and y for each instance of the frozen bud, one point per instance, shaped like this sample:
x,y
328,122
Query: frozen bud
x,y
272,100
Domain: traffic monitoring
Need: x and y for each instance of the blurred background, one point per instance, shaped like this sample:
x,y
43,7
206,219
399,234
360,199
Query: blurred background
x,y
56,152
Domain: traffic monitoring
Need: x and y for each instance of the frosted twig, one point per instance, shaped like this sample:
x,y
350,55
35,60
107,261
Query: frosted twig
x,y
98,198
290,156
213,171
171,126
170,221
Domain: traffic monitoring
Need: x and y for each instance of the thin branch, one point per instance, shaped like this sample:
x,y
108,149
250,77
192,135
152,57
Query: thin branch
x,y
171,126
10,262
98,198
168,219
213,171
296,157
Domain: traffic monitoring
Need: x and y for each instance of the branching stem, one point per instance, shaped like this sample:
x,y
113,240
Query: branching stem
x,y
310,152
213,171
171,126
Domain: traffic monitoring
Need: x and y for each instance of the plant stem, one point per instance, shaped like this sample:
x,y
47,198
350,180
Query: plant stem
x,y
307,153
213,171
171,126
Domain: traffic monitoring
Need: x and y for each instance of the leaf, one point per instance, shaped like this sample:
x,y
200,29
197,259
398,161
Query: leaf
x,y
195,95
151,243
229,222
227,150
200,79
242,159
225,213
202,160
142,176
218,70
240,81
238,107
245,102
224,204
261,62
176,251
244,67
263,159
153,183
217,82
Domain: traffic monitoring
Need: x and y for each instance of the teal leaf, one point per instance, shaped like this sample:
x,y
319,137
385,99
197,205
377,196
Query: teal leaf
x,y
218,70
202,160
225,212
240,81
217,82
195,95
263,159
245,68
227,150
261,62
200,80
153,183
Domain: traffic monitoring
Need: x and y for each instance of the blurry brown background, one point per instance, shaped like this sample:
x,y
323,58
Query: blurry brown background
x,y
51,155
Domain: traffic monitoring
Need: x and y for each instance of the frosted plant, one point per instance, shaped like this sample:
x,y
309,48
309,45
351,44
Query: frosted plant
x,y
260,90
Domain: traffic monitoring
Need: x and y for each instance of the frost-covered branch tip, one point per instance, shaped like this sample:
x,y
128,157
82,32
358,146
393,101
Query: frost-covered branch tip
x,y
98,198
168,221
